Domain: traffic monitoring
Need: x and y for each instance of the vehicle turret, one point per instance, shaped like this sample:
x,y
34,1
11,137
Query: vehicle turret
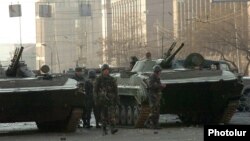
x,y
18,68
169,56
12,69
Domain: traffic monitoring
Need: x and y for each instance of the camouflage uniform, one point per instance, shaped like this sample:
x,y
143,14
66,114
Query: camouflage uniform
x,y
155,87
107,97
89,100
80,79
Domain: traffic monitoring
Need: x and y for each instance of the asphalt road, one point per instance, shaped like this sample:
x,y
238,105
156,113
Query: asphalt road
x,y
173,130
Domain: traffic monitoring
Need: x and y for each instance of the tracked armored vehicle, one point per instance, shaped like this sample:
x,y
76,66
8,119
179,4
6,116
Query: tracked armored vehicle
x,y
196,91
53,102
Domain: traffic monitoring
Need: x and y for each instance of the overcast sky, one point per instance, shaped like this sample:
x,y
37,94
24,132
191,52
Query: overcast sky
x,y
10,27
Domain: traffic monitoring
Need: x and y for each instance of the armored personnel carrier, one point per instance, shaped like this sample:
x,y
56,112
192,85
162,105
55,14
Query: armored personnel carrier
x,y
196,91
54,103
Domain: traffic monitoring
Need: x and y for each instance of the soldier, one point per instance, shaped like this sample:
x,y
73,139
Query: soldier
x,y
80,79
148,56
107,96
155,87
89,101
133,59
78,75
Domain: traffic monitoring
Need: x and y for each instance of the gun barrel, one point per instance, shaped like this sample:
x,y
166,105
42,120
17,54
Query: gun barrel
x,y
11,71
170,50
170,58
166,63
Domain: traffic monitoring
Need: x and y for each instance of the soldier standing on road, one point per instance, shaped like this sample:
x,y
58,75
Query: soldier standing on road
x,y
155,88
106,94
89,100
80,79
78,75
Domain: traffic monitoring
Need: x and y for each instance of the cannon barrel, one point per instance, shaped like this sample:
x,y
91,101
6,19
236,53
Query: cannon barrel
x,y
166,63
166,55
11,71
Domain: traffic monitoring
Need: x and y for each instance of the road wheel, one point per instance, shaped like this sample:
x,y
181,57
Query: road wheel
x,y
117,115
73,121
136,113
130,115
123,115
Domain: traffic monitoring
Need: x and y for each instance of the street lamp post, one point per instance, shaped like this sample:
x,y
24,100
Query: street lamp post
x,y
51,55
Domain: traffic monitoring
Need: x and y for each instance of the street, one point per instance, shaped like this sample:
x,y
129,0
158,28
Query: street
x,y
173,130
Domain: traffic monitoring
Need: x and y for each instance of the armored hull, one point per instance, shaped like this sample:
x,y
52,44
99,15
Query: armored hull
x,y
46,102
201,96
53,102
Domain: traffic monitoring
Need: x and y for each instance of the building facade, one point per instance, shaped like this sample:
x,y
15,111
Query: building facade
x,y
138,26
67,33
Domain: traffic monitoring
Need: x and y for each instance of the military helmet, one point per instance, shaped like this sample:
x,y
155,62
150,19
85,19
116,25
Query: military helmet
x,y
157,68
104,66
92,74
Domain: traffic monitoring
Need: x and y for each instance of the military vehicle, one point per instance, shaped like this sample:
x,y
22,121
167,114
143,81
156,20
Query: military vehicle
x,y
196,91
53,102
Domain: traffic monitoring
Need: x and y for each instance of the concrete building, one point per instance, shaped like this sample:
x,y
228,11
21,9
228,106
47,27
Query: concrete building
x,y
213,28
138,26
67,33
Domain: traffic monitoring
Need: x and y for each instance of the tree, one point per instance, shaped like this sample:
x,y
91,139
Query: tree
x,y
127,39
224,36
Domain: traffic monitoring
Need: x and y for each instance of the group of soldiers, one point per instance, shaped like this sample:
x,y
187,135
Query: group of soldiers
x,y
101,96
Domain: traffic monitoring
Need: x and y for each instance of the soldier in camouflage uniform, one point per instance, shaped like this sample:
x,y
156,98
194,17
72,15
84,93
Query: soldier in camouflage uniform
x,y
78,76
155,88
107,96
89,100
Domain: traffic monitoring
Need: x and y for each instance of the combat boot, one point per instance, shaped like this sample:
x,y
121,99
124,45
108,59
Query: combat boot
x,y
156,125
147,123
85,123
79,124
97,124
104,131
114,130
88,124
